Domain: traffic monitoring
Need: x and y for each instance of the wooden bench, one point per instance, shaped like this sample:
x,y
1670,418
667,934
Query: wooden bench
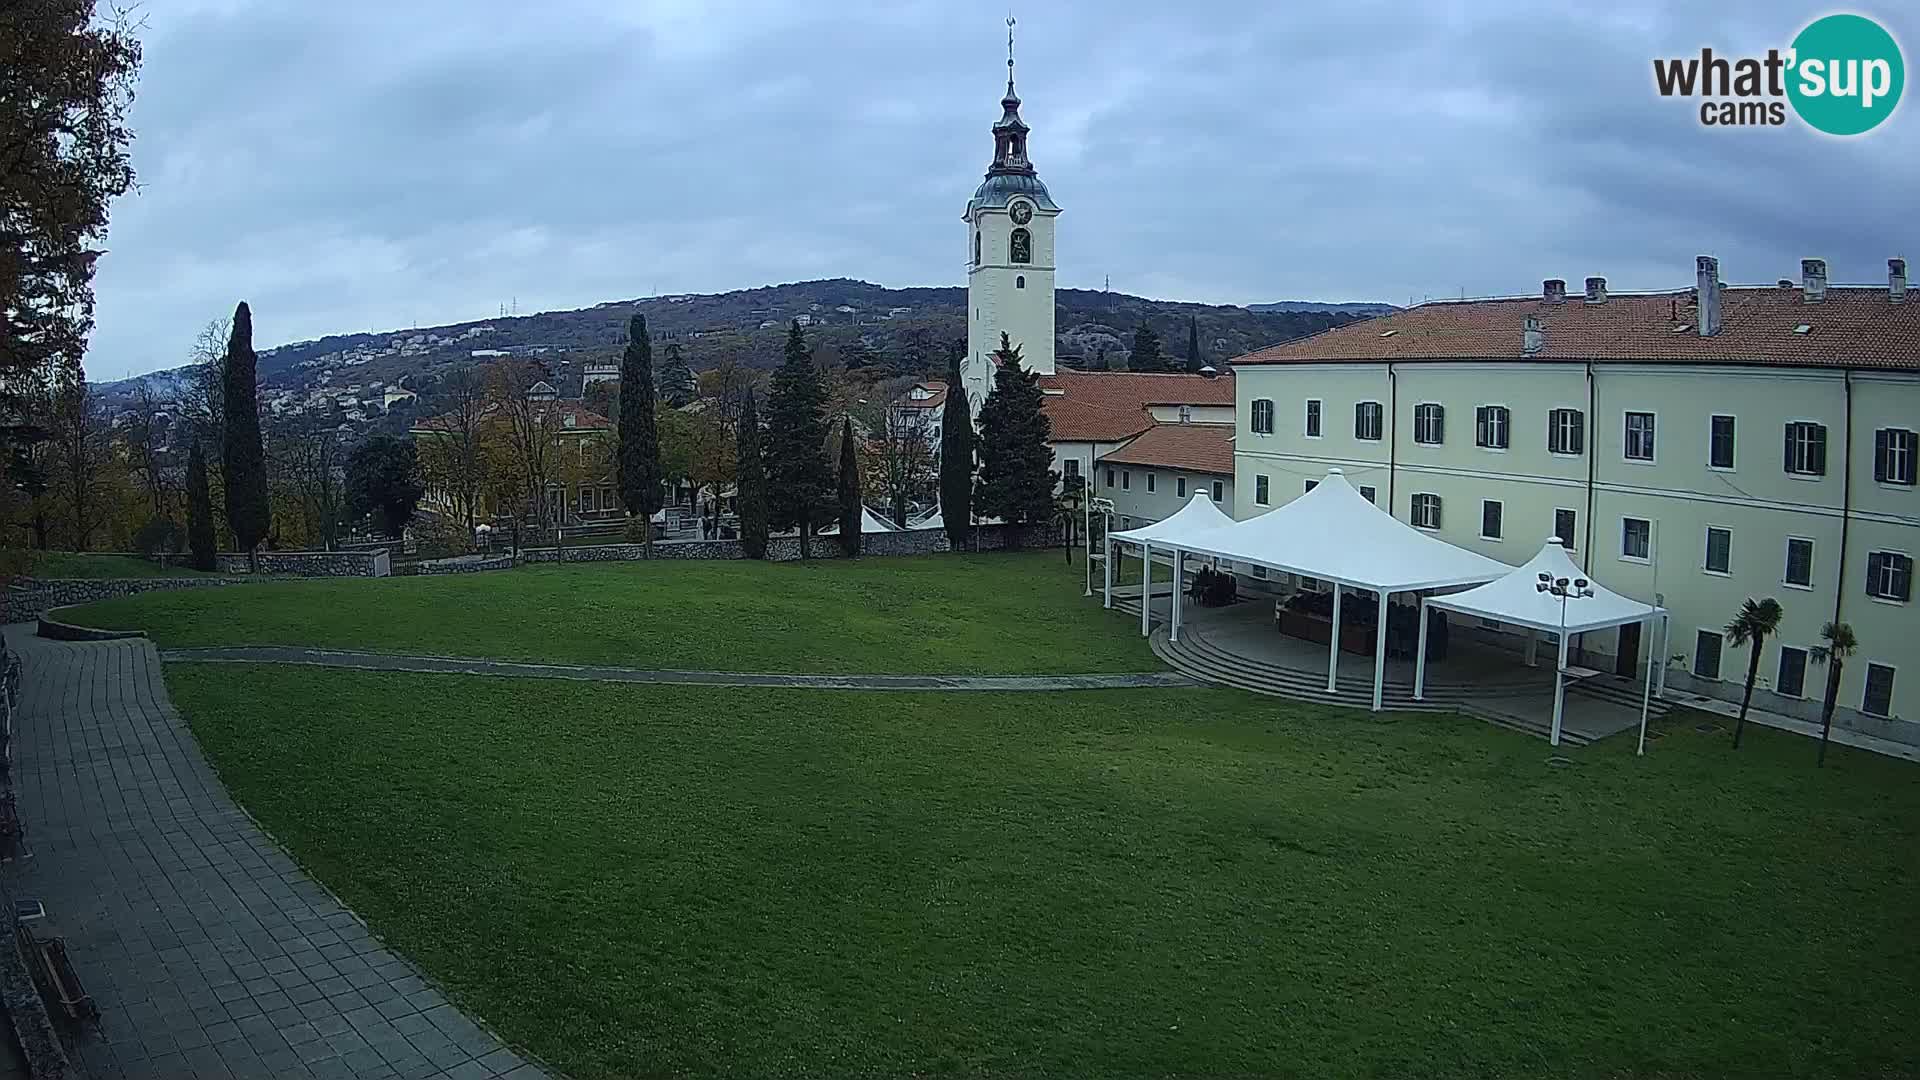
x,y
54,973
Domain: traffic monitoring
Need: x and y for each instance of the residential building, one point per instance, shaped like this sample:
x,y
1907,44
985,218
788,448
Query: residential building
x,y
1094,413
1698,447
583,456
1155,474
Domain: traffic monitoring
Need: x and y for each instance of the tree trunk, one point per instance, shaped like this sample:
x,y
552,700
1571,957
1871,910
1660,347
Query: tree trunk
x,y
806,538
1067,538
1826,709
1746,699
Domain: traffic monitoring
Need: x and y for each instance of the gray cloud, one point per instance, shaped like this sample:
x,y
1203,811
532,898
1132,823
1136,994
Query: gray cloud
x,y
358,165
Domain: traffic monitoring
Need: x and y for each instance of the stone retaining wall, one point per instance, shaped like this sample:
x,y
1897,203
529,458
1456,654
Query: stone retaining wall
x,y
310,563
463,564
787,548
29,598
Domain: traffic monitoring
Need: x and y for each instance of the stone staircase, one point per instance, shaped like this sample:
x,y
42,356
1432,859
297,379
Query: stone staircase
x,y
1196,658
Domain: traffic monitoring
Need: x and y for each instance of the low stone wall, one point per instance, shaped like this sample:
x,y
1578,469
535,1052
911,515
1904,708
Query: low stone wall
x,y
787,548
310,563
463,564
29,598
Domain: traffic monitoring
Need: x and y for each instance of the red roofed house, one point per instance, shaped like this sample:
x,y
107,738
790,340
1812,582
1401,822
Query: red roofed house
x,y
591,498
1702,446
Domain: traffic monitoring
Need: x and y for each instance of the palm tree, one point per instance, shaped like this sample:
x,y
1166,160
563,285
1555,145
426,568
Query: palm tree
x,y
1840,644
1757,621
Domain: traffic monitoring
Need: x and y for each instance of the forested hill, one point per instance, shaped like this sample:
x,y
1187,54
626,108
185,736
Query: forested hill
x,y
902,330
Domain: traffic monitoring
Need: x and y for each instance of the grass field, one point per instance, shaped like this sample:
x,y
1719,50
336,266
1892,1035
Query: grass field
x,y
995,613
708,882
83,564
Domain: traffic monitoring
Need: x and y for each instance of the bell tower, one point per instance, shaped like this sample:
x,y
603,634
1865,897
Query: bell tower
x,y
1010,254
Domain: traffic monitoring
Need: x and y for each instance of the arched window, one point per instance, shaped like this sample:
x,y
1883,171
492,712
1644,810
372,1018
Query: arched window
x,y
1022,246
976,248
1020,282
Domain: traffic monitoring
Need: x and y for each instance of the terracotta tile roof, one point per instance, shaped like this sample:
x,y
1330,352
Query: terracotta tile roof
x,y
1206,448
1855,326
1107,406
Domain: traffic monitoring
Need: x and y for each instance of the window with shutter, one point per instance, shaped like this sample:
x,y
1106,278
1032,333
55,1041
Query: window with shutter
x,y
1426,511
1806,449
1792,680
1799,562
1566,432
1878,699
1894,450
1889,576
1367,421
1429,424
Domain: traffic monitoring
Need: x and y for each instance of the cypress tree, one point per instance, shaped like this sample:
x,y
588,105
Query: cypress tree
x,y
956,458
850,505
639,455
1146,354
1016,483
750,483
677,385
243,459
200,539
1194,363
799,480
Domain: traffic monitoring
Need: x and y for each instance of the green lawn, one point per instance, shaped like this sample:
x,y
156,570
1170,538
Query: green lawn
x,y
707,882
82,564
993,613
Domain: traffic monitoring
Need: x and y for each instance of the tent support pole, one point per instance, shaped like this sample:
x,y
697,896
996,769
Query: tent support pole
x,y
1380,655
1533,647
1559,691
1666,650
1146,589
1179,561
1333,643
1106,573
1646,692
1420,658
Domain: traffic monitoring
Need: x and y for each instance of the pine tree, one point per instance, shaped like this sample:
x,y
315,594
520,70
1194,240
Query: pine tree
x,y
244,459
750,481
1146,351
200,540
676,385
1016,483
850,505
799,480
1194,362
639,460
956,458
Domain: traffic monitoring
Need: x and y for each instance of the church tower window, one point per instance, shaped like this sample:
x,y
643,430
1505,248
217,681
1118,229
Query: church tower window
x,y
1020,282
1022,246
976,247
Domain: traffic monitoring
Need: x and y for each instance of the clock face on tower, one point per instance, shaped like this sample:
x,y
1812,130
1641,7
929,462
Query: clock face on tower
x,y
1022,213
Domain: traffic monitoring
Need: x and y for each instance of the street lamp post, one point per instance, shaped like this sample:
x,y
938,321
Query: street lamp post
x,y
1566,589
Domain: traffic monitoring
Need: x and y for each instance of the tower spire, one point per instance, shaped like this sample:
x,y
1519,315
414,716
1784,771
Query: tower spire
x,y
1010,134
1010,57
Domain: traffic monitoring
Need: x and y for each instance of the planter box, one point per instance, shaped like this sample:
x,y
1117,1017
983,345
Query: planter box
x,y
1314,628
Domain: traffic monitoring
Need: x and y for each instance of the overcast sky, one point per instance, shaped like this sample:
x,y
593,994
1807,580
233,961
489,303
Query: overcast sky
x,y
358,165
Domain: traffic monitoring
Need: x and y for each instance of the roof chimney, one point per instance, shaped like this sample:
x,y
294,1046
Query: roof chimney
x,y
1554,290
1706,288
1813,280
1596,290
1532,338
1897,279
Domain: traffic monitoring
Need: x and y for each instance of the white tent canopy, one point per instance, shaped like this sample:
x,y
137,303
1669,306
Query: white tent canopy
x,y
1335,534
1195,518
1524,598
870,522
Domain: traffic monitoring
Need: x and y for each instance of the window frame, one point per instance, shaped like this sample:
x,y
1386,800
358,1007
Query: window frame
x,y
1578,431
1370,493
1780,668
1109,478
1013,246
1719,653
1733,442
1379,421
1126,479
1484,422
1500,519
1625,556
1706,557
1570,543
1866,688
1792,458
1179,487
1307,488
1255,415
1151,477
1651,435
1416,518
1890,573
1786,570
1429,424
1885,454
1262,490
1312,419
1219,492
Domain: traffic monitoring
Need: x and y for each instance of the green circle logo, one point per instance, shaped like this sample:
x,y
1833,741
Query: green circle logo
x,y
1847,75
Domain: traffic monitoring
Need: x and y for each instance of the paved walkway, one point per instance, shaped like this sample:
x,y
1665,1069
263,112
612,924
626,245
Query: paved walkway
x,y
373,661
209,953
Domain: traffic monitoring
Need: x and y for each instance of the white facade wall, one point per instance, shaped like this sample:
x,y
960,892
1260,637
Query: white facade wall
x,y
1003,295
1144,494
1679,492
1196,414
